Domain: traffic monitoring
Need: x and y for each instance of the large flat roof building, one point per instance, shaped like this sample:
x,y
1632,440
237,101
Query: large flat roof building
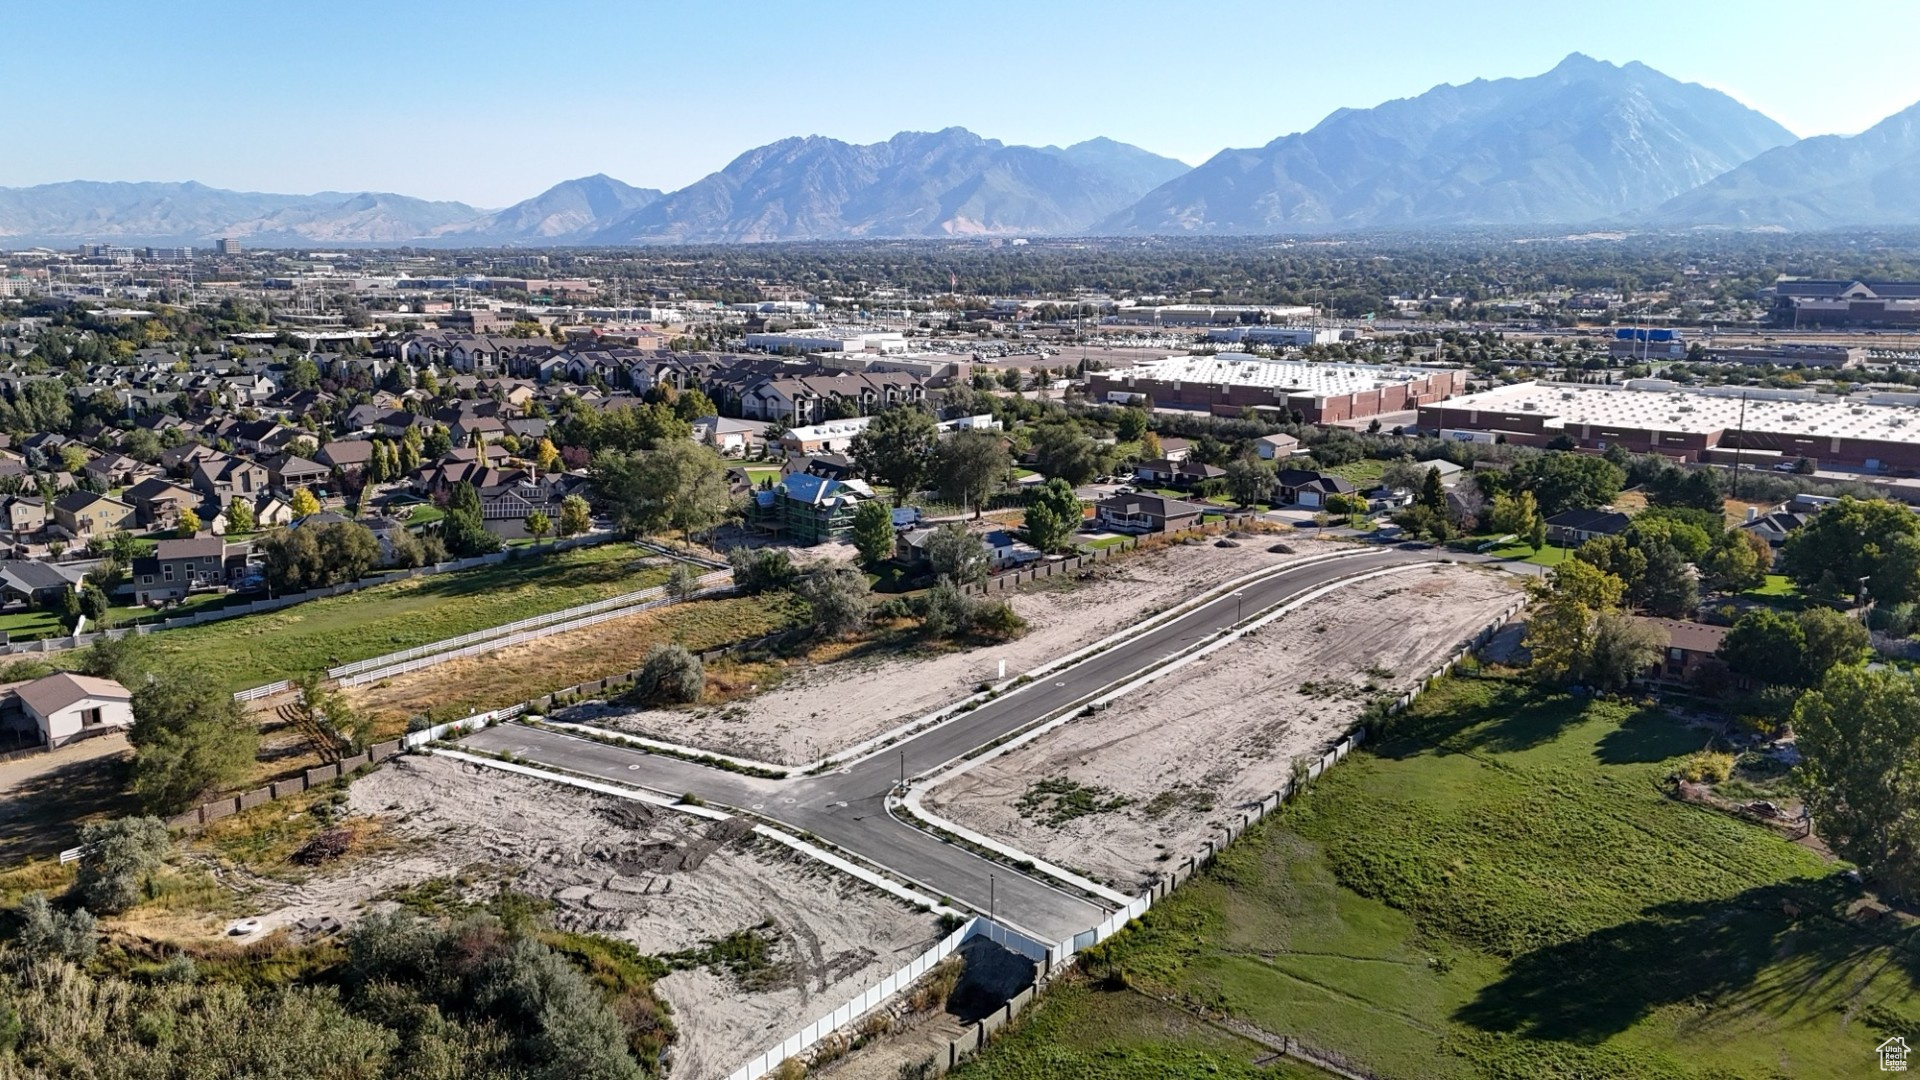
x,y
1226,383
1878,430
1847,303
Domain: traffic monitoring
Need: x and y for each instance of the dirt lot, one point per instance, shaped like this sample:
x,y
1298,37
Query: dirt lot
x,y
45,797
663,881
512,675
818,709
1112,794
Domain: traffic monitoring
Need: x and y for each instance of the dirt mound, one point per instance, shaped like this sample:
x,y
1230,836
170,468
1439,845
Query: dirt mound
x,y
665,856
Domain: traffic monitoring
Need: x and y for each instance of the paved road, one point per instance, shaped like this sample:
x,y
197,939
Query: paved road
x,y
847,806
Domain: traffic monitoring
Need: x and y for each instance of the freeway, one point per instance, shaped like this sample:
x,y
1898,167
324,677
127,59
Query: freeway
x,y
847,806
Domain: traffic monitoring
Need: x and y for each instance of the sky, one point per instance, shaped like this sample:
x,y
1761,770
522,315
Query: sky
x,y
489,103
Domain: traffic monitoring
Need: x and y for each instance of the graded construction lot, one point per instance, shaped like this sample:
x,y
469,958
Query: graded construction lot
x,y
803,939
252,650
817,709
1499,887
1119,793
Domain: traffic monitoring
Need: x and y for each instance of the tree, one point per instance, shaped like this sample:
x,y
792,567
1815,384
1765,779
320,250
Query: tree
x,y
956,554
839,598
326,709
1767,647
670,675
1250,480
1854,539
189,523
240,516
315,556
1737,561
680,486
1858,735
1433,492
464,529
538,524
189,735
1564,481
968,465
1667,588
1518,515
94,603
873,532
1053,513
576,516
1150,447
1062,450
116,859
1131,424
303,503
896,449
759,570
1402,474
1621,650
1832,640
1561,623
682,581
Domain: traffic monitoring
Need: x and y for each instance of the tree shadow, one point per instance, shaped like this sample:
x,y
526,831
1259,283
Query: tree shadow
x,y
1601,984
1649,735
39,815
1524,721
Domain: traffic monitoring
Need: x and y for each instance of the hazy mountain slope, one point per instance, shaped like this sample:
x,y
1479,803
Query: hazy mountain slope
x,y
950,182
1872,178
1586,140
566,212
193,213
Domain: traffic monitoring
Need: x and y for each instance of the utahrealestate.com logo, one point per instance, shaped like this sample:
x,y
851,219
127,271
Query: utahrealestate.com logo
x,y
1893,1055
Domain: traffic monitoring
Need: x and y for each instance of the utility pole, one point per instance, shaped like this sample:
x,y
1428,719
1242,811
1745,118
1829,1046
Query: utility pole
x,y
990,896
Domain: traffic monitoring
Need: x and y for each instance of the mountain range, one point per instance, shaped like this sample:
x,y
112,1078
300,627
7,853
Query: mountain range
x,y
1587,143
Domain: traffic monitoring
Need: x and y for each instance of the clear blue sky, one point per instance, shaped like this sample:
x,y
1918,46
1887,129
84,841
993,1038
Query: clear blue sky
x,y
491,102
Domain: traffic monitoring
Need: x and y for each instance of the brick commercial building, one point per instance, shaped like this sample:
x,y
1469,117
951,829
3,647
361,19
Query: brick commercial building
x,y
1227,383
1758,428
1846,303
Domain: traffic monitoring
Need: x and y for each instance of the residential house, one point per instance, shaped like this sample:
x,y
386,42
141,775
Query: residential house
x,y
157,503
1571,528
1306,487
63,708
825,466
1176,449
809,509
1165,472
732,438
1140,513
1692,652
23,515
179,567
85,513
32,583
1277,447
225,479
350,456
115,470
289,471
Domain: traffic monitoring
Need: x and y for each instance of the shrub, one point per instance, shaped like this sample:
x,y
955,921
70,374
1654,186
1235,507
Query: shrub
x,y
682,581
47,934
119,856
670,675
1706,766
839,598
758,570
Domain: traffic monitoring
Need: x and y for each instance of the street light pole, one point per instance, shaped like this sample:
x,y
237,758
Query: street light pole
x,y
990,896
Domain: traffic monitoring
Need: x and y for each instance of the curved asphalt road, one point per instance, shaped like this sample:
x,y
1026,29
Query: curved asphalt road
x,y
847,807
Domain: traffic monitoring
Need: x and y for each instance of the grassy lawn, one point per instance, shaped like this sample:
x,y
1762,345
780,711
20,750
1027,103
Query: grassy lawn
x,y
425,514
1364,473
30,624
1500,888
1103,542
1546,556
1777,592
256,649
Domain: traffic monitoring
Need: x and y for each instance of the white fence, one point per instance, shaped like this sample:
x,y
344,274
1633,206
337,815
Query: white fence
x,y
871,998
493,643
456,728
254,693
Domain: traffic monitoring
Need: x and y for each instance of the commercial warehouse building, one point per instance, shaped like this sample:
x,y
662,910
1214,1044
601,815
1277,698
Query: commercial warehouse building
x,y
1847,303
1719,424
1227,383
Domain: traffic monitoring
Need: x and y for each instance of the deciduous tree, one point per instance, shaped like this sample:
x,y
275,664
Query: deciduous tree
x,y
896,449
1858,736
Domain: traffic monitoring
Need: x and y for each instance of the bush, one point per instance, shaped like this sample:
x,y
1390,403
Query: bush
x,y
119,856
839,598
1706,766
670,675
758,570
47,934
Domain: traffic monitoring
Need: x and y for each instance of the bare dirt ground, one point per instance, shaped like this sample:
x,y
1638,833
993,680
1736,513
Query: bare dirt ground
x,y
45,797
661,880
1126,790
819,709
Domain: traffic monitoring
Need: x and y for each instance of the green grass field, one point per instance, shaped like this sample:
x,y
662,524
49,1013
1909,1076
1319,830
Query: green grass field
x,y
1364,473
1546,556
1500,888
255,649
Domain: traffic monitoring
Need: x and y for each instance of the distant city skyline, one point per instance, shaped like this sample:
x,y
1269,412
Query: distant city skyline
x,y
490,103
